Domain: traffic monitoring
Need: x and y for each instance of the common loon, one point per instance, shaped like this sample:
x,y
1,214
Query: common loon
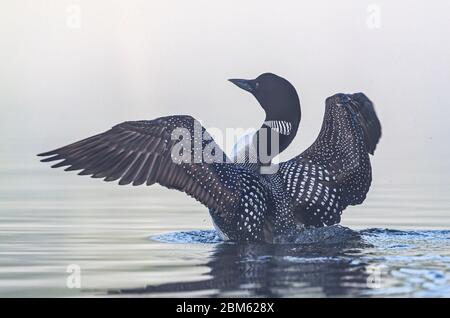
x,y
245,202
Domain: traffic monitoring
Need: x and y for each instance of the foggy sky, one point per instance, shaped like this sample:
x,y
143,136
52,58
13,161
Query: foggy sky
x,y
133,60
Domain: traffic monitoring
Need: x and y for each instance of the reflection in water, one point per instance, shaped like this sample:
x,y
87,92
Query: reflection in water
x,y
274,270
381,262
49,221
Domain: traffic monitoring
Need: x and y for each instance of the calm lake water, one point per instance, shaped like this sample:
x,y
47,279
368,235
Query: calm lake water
x,y
72,69
154,242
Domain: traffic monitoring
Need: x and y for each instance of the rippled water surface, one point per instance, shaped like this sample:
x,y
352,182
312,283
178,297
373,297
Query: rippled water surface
x,y
73,69
155,242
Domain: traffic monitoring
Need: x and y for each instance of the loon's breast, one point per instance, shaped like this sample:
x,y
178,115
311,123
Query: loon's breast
x,y
262,213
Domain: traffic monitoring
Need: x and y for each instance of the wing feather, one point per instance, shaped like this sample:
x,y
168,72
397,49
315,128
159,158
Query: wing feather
x,y
335,170
141,152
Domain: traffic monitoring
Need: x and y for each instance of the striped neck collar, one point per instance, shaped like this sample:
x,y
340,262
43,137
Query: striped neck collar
x,y
280,126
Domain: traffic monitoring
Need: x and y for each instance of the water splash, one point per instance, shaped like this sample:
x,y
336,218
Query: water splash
x,y
335,234
406,263
189,237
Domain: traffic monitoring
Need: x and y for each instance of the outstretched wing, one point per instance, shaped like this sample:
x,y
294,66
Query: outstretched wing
x,y
349,120
335,170
174,151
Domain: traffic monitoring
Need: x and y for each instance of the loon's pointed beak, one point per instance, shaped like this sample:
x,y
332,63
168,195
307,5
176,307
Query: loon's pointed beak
x,y
246,85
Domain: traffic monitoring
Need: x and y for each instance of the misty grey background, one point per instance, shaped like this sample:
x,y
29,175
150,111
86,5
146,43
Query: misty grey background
x,y
132,60
143,59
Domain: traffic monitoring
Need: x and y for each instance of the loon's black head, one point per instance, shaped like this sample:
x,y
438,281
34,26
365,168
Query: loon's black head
x,y
276,96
